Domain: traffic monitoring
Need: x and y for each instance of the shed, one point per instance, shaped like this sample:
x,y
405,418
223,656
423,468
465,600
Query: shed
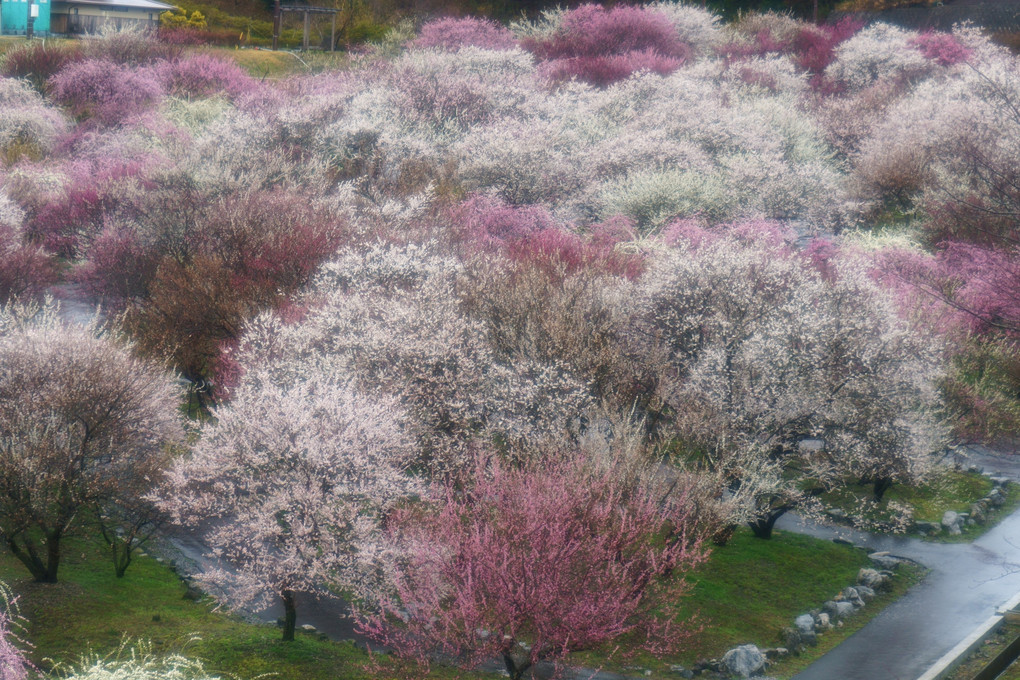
x,y
71,17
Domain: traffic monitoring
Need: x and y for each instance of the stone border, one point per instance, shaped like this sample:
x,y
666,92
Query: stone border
x,y
958,654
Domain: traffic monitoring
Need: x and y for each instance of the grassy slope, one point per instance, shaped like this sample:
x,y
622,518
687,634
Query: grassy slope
x,y
749,590
92,608
949,491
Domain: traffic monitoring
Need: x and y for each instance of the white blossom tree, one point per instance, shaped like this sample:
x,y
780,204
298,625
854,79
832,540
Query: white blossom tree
x,y
83,423
288,483
787,382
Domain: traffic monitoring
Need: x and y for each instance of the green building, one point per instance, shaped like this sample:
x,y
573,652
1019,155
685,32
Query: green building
x,y
14,16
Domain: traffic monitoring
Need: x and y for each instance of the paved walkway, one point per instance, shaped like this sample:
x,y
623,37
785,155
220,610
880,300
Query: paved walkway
x,y
967,582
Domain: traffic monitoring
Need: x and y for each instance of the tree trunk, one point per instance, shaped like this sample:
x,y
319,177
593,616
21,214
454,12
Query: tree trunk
x,y
762,528
29,558
289,615
515,670
121,558
52,556
881,486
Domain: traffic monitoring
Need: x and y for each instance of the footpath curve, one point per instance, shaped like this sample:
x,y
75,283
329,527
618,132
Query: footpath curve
x,y
966,585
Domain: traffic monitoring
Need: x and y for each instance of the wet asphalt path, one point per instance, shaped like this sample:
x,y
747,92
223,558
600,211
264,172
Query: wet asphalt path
x,y
967,583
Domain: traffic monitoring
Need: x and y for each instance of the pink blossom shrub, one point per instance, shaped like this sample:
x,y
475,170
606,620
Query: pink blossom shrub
x,y
25,269
105,91
529,234
814,46
451,33
202,75
505,568
606,70
38,61
602,46
69,223
943,48
13,663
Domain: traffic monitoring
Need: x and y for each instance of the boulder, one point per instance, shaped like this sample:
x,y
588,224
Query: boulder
x,y
871,578
744,661
1000,481
851,595
867,594
792,638
805,624
776,652
822,622
839,610
681,671
307,628
929,528
950,519
978,512
996,497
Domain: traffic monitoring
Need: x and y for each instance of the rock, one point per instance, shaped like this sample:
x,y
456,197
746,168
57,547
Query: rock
x,y
681,671
745,660
792,638
995,497
978,512
870,578
776,652
805,624
950,519
1000,481
842,541
840,610
307,628
822,622
884,562
866,593
835,513
851,595
192,593
974,468
928,528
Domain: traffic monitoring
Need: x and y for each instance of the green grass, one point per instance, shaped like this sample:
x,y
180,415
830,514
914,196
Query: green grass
x,y
747,592
92,609
273,65
750,589
950,490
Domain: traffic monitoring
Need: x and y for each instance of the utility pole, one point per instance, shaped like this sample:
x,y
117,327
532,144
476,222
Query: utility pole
x,y
31,20
277,15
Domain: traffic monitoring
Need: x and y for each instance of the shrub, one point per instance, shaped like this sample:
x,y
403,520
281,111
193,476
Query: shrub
x,y
39,61
506,569
13,662
943,48
25,270
202,75
606,70
451,34
106,91
602,46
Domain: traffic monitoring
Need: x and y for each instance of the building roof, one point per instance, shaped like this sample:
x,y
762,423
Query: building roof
x,y
132,4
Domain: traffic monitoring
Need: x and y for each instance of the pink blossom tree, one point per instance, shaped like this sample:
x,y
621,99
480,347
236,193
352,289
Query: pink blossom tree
x,y
289,483
532,563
